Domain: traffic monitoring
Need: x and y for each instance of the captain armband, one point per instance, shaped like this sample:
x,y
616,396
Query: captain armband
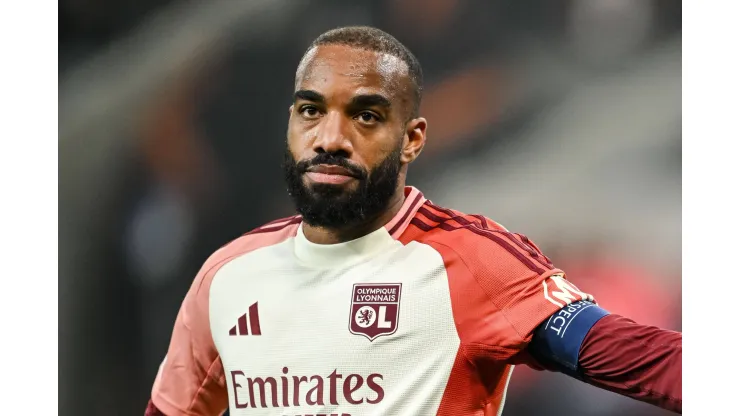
x,y
557,341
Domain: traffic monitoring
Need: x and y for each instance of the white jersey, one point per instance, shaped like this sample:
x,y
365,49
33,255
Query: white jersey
x,y
417,318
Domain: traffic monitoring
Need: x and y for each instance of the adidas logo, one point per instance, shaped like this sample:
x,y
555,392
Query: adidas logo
x,y
241,327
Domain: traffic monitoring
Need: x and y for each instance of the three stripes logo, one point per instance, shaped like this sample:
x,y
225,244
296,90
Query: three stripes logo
x,y
241,328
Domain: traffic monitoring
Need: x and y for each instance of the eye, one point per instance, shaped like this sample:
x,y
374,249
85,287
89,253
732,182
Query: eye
x,y
367,117
309,112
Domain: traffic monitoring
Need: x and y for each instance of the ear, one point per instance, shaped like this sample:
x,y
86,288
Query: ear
x,y
290,109
415,139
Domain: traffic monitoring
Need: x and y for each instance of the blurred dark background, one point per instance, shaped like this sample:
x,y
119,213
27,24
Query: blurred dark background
x,y
558,118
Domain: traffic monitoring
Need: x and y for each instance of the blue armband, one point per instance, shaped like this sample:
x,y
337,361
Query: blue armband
x,y
558,340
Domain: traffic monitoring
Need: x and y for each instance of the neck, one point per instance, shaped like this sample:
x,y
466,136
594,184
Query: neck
x,y
323,235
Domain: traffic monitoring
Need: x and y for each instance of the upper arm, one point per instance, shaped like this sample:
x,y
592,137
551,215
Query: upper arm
x,y
510,288
191,379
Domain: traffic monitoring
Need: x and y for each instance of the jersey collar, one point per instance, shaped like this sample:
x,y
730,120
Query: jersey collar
x,y
414,200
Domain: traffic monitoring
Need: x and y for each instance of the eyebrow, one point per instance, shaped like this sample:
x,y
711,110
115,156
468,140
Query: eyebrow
x,y
309,95
370,100
364,100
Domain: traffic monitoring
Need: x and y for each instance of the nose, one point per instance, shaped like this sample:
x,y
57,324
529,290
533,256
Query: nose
x,y
332,136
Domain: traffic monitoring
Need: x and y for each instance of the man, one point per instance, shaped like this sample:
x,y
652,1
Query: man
x,y
375,301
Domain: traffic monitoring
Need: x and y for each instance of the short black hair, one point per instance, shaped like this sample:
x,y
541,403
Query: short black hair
x,y
376,40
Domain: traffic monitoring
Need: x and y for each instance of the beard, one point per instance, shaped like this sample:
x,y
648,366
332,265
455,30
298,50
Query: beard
x,y
339,206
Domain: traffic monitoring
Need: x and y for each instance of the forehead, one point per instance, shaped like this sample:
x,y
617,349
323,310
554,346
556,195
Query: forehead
x,y
336,69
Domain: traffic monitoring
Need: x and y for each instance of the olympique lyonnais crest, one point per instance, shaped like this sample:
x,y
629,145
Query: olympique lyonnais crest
x,y
374,310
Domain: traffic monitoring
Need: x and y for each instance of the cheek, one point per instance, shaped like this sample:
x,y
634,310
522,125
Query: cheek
x,y
297,135
300,141
374,150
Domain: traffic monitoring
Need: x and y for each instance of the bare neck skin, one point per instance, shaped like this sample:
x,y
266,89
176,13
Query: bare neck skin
x,y
321,235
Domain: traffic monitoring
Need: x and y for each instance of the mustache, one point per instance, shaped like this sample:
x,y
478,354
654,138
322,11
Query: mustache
x,y
331,160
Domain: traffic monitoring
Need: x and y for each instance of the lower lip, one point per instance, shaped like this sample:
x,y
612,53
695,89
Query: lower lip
x,y
328,178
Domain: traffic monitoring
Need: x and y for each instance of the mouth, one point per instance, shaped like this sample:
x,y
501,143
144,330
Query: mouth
x,y
329,174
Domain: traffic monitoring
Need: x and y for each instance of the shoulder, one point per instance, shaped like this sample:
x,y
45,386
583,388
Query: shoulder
x,y
269,234
477,240
498,279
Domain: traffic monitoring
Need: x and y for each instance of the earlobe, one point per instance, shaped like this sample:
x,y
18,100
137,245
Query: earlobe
x,y
407,155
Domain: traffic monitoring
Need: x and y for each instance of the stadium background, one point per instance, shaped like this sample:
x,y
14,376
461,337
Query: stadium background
x,y
560,119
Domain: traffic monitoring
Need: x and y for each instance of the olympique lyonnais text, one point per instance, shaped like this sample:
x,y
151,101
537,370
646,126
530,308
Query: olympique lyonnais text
x,y
385,294
313,390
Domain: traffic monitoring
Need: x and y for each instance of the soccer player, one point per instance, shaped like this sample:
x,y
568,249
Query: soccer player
x,y
374,300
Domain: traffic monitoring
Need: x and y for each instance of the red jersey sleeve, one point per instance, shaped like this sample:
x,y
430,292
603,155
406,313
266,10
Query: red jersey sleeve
x,y
191,379
503,285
